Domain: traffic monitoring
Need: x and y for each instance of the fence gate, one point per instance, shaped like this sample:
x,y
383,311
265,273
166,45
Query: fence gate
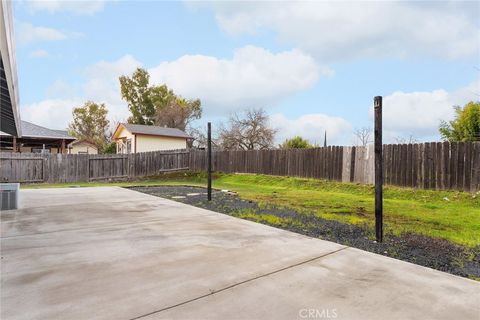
x,y
107,167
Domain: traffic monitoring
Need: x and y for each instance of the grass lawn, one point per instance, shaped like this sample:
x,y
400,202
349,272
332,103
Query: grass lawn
x,y
450,215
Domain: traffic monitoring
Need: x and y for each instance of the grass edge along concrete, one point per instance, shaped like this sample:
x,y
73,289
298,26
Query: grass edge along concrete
x,y
450,215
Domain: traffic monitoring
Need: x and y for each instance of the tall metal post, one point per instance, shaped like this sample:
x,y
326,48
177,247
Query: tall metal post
x,y
378,169
209,170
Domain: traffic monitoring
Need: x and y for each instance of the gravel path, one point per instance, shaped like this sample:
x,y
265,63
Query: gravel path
x,y
434,253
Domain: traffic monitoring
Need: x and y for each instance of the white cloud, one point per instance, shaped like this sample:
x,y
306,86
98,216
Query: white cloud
x,y
254,77
124,65
80,7
51,113
101,85
346,29
312,127
419,113
60,89
40,53
28,33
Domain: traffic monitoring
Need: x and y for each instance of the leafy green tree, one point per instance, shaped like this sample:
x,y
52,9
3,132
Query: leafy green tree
x,y
137,92
296,142
110,148
157,105
465,126
90,123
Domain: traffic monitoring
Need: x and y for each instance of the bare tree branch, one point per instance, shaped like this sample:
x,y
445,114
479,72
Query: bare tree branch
x,y
406,140
363,136
247,131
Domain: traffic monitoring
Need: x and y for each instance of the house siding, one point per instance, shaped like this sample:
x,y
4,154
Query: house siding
x,y
124,134
83,148
145,143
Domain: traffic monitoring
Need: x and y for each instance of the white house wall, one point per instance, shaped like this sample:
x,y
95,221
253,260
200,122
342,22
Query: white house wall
x,y
155,143
83,148
126,135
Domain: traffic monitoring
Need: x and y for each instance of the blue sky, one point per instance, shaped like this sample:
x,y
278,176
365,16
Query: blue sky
x,y
312,66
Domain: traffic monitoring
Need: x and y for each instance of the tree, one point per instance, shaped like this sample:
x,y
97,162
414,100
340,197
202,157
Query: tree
x,y
247,131
178,113
136,91
363,135
296,142
157,105
465,126
90,123
199,136
110,148
403,140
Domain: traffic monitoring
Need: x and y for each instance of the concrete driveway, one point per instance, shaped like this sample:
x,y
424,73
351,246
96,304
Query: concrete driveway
x,y
112,253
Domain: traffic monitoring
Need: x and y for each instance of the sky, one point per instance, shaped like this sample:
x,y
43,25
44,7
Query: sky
x,y
313,66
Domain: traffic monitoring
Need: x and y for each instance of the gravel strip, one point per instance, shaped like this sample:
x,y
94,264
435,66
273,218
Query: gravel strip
x,y
429,252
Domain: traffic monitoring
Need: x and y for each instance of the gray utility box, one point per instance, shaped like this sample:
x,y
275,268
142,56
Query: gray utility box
x,y
9,193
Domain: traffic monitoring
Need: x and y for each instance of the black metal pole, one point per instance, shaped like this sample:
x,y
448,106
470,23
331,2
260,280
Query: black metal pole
x,y
209,142
378,169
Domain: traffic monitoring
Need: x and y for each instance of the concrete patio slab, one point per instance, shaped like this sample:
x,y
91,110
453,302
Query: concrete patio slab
x,y
350,284
55,213
73,196
112,253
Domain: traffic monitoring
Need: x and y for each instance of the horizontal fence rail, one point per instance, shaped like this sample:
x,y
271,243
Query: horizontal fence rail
x,y
436,165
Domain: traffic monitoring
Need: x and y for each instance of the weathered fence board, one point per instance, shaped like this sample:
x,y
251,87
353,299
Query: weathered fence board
x,y
58,168
437,165
447,166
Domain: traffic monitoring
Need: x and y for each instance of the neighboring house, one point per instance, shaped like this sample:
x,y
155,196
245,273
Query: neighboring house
x,y
133,138
9,98
36,139
82,147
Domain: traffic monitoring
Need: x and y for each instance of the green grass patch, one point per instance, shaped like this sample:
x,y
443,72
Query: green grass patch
x,y
450,215
269,219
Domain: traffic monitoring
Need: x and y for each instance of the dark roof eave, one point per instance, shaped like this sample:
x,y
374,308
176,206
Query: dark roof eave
x,y
38,137
46,137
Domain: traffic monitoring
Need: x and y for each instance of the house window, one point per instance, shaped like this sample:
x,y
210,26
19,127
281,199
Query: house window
x,y
129,145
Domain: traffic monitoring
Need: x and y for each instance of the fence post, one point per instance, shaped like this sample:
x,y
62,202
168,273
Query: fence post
x,y
378,170
209,142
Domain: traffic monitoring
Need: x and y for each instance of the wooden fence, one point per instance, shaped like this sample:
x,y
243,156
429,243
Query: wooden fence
x,y
437,165
58,168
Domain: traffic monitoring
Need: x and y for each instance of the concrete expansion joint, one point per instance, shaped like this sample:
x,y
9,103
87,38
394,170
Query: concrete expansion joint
x,y
213,291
